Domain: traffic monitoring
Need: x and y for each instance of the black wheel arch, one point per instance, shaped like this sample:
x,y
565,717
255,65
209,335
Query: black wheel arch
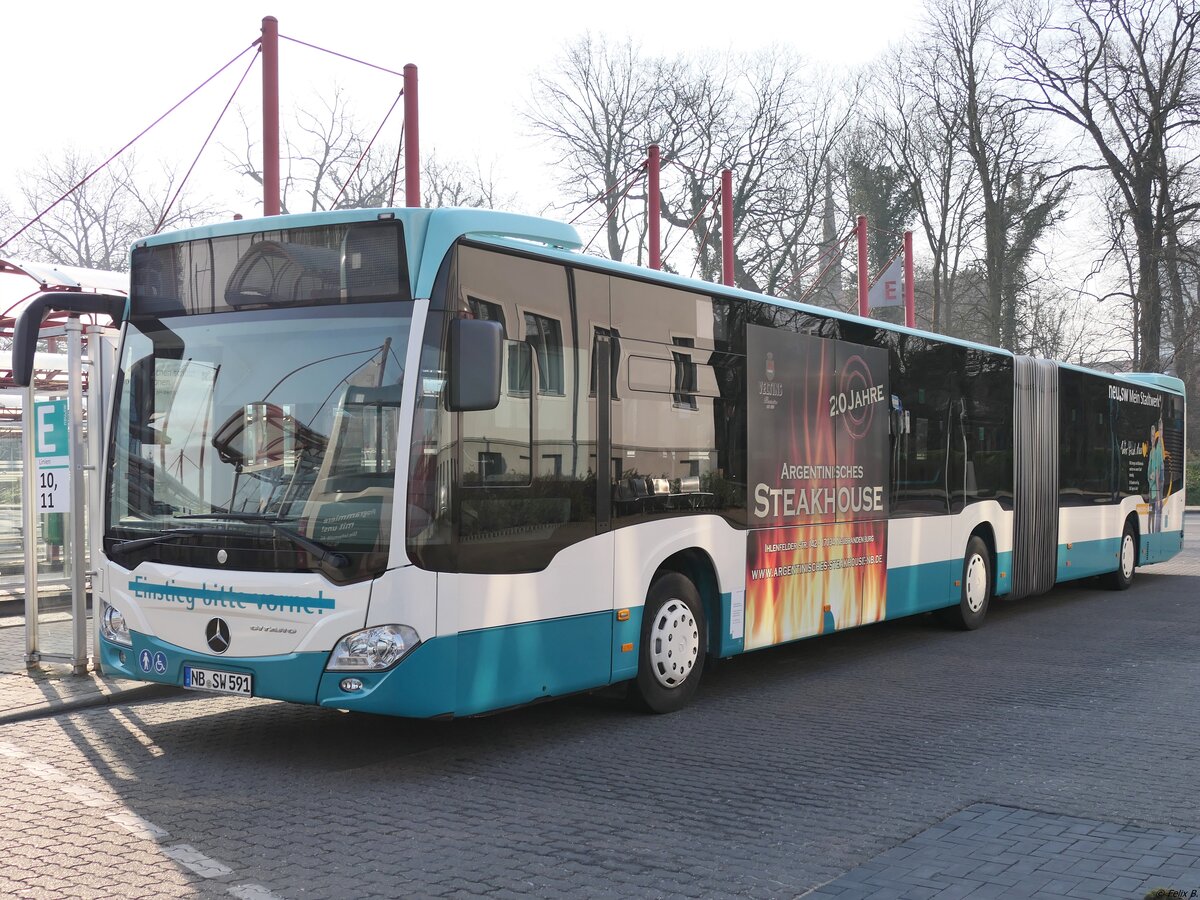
x,y
985,533
697,566
1132,520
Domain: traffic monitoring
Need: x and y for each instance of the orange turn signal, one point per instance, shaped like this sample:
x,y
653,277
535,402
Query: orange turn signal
x,y
622,615
626,648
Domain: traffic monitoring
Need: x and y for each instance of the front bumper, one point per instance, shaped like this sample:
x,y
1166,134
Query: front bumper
x,y
420,686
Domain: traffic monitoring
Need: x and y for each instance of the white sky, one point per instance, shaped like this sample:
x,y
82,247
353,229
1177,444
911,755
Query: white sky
x,y
94,74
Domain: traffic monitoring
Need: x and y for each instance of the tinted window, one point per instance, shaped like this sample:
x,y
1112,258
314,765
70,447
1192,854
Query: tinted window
x,y
291,415
326,264
1149,430
504,490
1173,441
685,373
984,429
679,430
921,374
544,335
1087,472
614,351
487,311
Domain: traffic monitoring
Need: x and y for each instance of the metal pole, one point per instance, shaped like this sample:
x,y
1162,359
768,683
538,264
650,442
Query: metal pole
x,y
96,417
863,309
910,312
412,147
654,213
79,654
270,107
727,227
29,527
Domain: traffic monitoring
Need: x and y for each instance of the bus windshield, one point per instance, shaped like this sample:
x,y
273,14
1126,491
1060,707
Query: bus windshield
x,y
282,415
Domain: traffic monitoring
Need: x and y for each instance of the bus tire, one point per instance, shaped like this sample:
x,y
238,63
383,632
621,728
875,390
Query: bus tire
x,y
1121,579
976,593
673,645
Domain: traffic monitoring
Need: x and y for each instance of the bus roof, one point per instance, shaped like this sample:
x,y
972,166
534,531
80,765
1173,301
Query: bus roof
x,y
430,233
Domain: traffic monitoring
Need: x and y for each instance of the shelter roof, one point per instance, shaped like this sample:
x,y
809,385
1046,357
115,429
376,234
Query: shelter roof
x,y
20,282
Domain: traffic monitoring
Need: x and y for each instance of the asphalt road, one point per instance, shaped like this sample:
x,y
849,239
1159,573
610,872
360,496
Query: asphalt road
x,y
793,766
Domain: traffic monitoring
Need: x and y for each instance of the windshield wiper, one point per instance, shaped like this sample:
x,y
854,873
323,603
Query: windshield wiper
x,y
233,516
163,536
323,552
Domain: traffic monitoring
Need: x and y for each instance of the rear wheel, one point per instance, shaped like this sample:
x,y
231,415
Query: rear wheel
x,y
1126,561
976,588
673,647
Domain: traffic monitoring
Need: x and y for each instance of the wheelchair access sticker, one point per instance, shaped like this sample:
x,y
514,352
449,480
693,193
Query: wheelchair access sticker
x,y
156,662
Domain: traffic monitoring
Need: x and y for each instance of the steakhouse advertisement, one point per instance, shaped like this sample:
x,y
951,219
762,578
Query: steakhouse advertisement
x,y
818,472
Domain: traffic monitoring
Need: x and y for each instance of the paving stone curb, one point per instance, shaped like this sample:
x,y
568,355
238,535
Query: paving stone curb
x,y
74,704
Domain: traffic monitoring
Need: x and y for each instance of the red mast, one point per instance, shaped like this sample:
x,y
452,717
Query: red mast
x,y
270,73
727,227
863,309
412,146
910,312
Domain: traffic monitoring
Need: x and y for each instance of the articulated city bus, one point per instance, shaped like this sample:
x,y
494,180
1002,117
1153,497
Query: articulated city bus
x,y
438,462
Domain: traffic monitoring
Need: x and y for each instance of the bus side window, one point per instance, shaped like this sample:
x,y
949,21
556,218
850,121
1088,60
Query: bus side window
x,y
1087,474
678,432
497,443
919,451
526,469
983,430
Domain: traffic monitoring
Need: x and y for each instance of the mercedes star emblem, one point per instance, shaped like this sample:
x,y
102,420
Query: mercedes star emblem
x,y
222,556
217,635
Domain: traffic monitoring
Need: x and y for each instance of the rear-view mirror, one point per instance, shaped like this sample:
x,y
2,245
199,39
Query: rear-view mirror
x,y
475,346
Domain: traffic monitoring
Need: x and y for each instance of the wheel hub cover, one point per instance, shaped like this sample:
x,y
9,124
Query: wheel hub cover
x,y
674,643
976,583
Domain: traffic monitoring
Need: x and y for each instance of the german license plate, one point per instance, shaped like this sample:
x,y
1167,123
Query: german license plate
x,y
215,680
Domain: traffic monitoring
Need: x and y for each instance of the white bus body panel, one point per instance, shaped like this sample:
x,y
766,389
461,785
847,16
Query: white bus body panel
x,y
268,613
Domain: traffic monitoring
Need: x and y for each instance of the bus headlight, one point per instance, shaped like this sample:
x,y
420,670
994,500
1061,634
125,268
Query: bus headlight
x,y
372,649
113,625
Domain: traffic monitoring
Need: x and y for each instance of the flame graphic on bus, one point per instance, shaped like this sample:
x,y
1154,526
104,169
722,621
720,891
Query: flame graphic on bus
x,y
813,579
810,430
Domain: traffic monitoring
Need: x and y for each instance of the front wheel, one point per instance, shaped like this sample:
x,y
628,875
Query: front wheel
x,y
674,645
976,586
1126,561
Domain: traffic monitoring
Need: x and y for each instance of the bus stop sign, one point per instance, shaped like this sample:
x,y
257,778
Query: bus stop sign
x,y
53,487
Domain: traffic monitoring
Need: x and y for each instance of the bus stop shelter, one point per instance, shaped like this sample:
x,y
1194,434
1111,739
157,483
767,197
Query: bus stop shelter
x,y
44,555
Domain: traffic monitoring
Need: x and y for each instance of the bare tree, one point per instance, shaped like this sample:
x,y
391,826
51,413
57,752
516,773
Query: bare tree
x,y
1124,74
322,150
596,107
879,190
777,126
8,218
1020,196
454,183
918,123
330,162
758,115
95,225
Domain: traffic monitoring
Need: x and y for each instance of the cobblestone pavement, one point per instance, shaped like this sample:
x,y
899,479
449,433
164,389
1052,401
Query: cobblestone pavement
x,y
50,687
989,851
793,766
